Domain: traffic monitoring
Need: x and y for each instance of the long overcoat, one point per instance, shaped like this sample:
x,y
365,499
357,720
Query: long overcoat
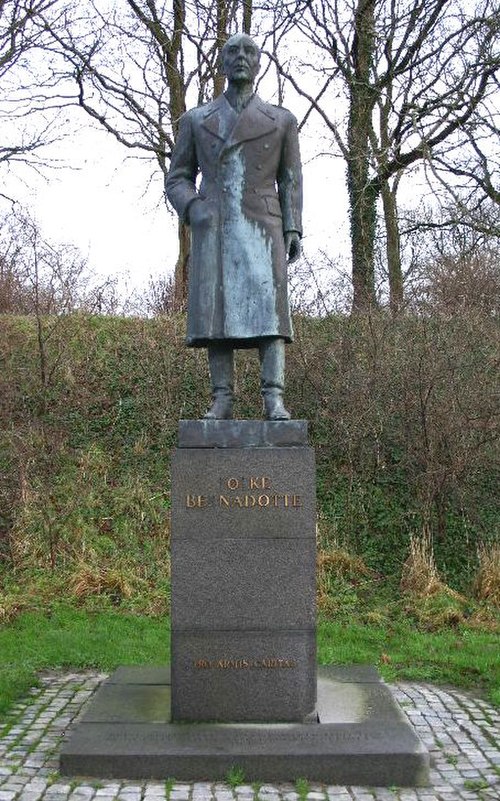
x,y
251,180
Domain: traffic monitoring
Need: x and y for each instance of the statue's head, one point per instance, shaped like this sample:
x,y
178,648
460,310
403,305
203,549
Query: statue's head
x,y
240,59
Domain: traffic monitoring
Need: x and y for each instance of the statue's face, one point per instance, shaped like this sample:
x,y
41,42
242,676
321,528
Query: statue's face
x,y
240,59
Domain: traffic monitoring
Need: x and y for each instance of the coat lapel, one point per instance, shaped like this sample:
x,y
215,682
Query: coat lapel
x,y
219,118
256,120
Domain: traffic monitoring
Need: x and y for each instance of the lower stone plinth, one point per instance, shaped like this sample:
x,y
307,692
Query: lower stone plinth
x,y
362,737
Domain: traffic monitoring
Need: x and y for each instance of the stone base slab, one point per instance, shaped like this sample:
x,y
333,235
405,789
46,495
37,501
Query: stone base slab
x,y
242,433
362,737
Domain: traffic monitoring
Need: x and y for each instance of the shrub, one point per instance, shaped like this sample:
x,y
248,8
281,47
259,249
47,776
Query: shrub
x,y
487,582
402,412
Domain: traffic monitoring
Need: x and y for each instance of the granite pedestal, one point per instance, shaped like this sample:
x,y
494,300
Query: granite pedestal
x,y
243,572
244,689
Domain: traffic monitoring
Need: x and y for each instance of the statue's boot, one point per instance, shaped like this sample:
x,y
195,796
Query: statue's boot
x,y
272,377
221,364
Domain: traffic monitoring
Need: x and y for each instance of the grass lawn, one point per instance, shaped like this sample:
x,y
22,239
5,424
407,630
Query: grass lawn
x,y
69,638
462,657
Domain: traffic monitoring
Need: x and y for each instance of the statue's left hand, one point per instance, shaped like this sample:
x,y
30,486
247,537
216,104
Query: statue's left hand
x,y
292,246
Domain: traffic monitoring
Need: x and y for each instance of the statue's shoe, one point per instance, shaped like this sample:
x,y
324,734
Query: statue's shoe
x,y
221,409
275,409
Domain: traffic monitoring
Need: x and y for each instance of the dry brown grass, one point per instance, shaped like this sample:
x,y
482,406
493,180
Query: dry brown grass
x,y
337,569
485,618
342,563
91,580
419,575
487,583
430,602
10,608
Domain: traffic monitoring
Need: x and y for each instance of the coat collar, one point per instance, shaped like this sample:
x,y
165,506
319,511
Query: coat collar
x,y
257,119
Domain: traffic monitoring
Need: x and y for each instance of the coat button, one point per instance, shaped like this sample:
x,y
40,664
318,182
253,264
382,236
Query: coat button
x,y
266,146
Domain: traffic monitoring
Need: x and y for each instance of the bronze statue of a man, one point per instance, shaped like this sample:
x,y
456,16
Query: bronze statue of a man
x,y
245,223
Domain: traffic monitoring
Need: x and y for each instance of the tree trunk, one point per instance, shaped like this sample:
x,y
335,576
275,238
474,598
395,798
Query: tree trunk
x,y
393,248
363,193
363,216
181,267
247,16
222,18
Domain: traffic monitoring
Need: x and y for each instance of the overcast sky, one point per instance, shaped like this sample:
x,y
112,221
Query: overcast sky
x,y
105,202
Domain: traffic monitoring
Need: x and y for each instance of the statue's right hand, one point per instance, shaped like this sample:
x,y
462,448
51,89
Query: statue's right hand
x,y
200,212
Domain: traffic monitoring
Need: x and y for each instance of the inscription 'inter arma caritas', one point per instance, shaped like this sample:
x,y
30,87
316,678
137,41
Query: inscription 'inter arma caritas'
x,y
244,664
252,492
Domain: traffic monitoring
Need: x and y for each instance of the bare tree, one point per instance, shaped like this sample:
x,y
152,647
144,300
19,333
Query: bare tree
x,y
464,282
46,282
469,172
412,73
455,266
31,97
136,64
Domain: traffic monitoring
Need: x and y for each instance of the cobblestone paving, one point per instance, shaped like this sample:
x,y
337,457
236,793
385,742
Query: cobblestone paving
x,y
460,732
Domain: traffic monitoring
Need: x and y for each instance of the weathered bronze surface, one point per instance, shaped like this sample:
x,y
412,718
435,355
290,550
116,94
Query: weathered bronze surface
x,y
245,220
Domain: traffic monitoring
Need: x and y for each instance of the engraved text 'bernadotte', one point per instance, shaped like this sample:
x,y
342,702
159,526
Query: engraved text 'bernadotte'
x,y
245,493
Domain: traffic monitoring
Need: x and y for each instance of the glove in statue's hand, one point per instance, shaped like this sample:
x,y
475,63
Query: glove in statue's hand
x,y
292,246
